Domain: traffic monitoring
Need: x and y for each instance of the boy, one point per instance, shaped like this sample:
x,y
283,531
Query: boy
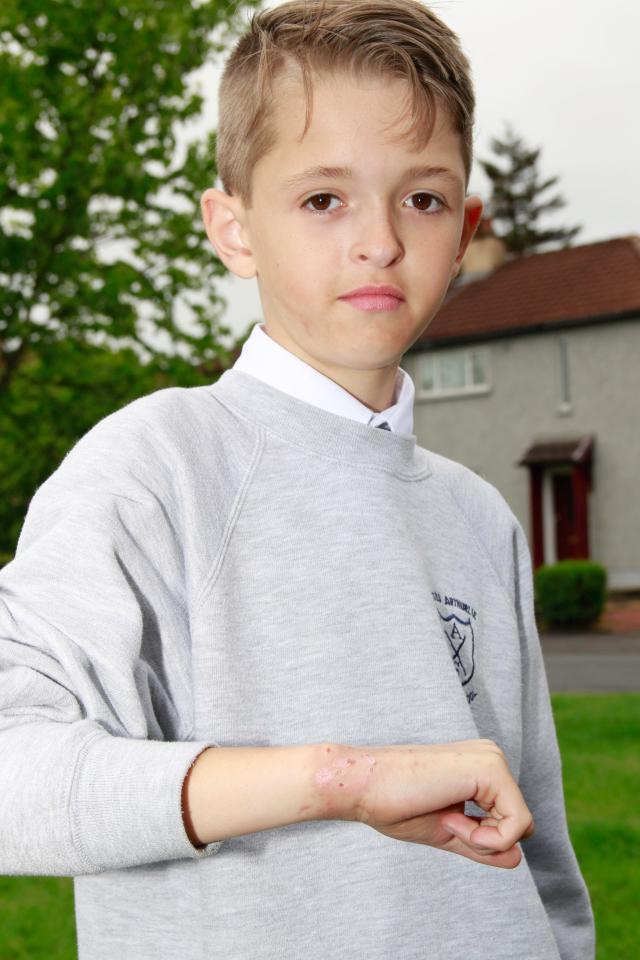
x,y
257,654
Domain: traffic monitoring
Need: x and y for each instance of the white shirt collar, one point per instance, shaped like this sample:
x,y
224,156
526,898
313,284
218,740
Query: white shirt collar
x,y
265,358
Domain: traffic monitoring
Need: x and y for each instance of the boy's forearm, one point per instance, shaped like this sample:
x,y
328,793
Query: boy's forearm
x,y
230,791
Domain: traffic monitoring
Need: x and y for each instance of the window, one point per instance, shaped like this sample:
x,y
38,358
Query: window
x,y
564,383
445,373
452,371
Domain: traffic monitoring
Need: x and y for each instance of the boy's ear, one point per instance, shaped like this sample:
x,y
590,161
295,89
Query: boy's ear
x,y
223,218
473,208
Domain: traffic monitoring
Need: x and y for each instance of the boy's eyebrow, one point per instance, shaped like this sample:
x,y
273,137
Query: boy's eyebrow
x,y
322,172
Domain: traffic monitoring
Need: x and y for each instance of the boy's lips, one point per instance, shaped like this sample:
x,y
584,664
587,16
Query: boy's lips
x,y
383,297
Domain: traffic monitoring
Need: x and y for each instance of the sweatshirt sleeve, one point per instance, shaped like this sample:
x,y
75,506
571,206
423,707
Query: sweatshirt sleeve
x,y
548,852
95,692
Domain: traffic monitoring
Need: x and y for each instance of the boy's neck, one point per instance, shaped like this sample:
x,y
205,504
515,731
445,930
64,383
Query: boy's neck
x,y
376,389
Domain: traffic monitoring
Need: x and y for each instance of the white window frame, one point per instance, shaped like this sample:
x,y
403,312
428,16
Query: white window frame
x,y
565,403
470,389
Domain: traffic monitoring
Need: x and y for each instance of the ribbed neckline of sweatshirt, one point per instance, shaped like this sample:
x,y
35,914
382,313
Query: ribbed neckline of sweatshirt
x,y
314,429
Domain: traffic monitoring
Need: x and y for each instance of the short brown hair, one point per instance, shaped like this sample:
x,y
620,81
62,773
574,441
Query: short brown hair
x,y
398,38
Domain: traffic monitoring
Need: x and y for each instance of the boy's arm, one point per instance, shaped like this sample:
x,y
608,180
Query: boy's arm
x,y
95,702
548,852
231,791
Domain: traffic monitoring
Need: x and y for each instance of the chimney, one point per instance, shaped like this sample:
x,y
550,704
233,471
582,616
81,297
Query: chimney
x,y
484,253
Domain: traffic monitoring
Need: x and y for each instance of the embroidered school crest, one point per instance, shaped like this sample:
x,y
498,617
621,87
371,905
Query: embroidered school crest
x,y
459,633
461,638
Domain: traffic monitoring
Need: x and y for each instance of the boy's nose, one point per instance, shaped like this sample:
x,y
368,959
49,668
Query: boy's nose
x,y
377,240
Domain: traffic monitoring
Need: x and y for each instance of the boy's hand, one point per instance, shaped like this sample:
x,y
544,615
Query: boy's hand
x,y
417,792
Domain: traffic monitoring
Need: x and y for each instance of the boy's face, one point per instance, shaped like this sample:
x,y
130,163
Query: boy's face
x,y
311,242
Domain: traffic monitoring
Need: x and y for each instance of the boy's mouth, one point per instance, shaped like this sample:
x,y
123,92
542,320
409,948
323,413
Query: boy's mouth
x,y
382,297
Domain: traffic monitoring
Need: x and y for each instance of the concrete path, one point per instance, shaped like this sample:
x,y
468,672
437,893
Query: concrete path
x,y
592,662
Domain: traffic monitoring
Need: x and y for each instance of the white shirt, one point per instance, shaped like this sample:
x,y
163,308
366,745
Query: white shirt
x,y
265,358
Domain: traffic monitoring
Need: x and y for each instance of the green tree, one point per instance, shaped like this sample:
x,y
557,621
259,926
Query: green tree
x,y
56,395
515,205
89,97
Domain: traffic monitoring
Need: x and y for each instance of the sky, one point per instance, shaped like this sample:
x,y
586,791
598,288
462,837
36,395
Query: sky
x,y
564,74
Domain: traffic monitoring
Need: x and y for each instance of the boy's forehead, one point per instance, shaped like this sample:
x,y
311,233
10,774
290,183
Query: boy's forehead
x,y
335,93
331,147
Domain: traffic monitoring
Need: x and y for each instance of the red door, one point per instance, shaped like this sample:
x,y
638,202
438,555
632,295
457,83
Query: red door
x,y
568,540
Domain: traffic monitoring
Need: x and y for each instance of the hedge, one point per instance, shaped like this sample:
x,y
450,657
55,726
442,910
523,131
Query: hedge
x,y
570,592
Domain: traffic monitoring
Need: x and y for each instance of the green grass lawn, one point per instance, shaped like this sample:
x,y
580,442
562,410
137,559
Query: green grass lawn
x,y
599,736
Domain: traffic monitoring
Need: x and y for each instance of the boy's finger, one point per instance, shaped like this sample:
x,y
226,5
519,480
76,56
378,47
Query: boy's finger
x,y
464,827
501,837
514,819
506,859
489,836
493,822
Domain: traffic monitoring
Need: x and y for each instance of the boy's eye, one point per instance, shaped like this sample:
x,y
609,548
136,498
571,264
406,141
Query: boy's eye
x,y
428,197
323,197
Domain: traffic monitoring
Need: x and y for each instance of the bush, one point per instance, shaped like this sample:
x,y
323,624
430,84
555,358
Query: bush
x,y
571,592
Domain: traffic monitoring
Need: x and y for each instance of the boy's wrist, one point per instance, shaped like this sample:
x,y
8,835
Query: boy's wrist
x,y
341,778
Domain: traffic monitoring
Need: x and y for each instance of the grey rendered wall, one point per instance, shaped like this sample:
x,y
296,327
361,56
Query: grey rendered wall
x,y
490,432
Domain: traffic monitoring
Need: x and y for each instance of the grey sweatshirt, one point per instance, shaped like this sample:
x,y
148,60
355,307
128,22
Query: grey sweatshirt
x,y
230,566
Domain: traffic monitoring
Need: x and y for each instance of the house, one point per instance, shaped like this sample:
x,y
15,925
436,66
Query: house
x,y
529,374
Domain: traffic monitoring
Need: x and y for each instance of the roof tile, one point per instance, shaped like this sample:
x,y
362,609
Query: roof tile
x,y
595,280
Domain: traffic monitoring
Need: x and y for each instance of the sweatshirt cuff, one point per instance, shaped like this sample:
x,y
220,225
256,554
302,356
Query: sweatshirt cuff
x,y
125,803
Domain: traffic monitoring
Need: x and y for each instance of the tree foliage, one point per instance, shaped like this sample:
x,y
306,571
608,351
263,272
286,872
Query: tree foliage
x,y
90,94
515,205
100,225
56,395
